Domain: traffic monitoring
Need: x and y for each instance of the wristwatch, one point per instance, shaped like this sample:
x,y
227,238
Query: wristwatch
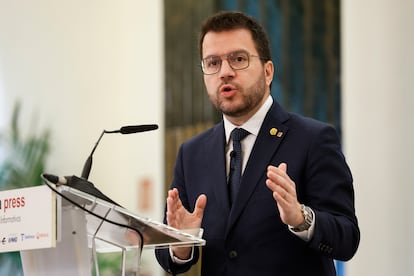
x,y
308,216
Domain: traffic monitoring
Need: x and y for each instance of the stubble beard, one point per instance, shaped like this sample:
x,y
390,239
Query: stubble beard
x,y
250,98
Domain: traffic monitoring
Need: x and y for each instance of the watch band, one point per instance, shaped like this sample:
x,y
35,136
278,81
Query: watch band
x,y
308,216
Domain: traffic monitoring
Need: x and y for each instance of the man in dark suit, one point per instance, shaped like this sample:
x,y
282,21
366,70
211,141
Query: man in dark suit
x,y
288,208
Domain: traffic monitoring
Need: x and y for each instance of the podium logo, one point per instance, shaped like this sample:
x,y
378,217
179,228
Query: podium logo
x,y
42,235
24,236
12,239
11,203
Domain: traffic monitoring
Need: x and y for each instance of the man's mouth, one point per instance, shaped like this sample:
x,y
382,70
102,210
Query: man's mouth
x,y
228,89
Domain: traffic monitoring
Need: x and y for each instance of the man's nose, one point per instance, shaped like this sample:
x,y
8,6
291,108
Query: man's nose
x,y
226,70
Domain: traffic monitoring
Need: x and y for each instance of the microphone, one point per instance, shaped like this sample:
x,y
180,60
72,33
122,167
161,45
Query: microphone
x,y
123,130
133,129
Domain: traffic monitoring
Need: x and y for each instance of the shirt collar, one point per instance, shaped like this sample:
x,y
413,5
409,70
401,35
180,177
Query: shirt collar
x,y
253,124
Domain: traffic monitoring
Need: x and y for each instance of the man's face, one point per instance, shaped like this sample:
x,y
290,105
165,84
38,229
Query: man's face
x,y
236,93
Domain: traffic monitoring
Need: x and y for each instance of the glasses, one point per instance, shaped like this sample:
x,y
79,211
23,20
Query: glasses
x,y
238,60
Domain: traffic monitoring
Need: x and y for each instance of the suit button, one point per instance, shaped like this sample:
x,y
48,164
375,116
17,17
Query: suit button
x,y
233,254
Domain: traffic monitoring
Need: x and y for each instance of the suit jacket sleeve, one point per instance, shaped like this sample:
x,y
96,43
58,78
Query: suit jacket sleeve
x,y
329,191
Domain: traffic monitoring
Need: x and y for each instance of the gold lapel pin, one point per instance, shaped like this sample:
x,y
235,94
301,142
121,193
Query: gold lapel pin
x,y
273,131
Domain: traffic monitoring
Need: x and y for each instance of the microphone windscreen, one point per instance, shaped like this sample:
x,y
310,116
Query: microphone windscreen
x,y
55,179
51,178
139,128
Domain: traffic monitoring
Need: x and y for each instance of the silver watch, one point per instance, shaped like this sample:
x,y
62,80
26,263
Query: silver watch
x,y
308,216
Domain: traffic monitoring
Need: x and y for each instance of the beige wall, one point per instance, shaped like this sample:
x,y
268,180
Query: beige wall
x,y
84,66
378,98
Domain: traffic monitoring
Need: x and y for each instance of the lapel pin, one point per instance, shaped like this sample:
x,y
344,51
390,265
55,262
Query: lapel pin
x,y
280,134
273,131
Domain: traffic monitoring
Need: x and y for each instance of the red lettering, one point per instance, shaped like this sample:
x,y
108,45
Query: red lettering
x,y
15,202
6,204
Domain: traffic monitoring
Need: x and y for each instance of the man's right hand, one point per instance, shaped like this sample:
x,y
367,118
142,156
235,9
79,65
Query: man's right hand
x,y
180,218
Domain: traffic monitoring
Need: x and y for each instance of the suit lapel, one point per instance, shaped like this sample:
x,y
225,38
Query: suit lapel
x,y
268,140
215,150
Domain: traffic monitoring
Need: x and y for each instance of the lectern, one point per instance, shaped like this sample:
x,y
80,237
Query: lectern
x,y
89,224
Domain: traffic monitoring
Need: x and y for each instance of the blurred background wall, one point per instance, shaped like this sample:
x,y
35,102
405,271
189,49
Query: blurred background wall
x,y
79,67
377,102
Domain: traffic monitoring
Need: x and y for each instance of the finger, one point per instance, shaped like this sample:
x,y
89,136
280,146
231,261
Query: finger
x,y
200,206
275,181
278,185
173,193
283,167
171,203
273,186
282,194
279,176
276,173
173,207
174,198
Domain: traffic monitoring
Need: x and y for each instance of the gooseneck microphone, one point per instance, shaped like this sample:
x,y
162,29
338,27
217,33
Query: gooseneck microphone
x,y
123,130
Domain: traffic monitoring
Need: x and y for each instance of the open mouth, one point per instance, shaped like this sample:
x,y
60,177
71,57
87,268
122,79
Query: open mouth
x,y
227,88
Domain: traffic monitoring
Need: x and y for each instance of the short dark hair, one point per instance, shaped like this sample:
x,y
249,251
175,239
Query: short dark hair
x,y
232,20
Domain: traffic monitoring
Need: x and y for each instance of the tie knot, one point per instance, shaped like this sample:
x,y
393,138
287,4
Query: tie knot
x,y
238,134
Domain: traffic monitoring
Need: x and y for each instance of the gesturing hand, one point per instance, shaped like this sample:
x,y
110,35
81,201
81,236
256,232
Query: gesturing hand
x,y
284,192
180,218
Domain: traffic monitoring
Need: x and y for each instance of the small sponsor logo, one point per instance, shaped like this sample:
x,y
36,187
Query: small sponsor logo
x,y
24,236
12,239
42,235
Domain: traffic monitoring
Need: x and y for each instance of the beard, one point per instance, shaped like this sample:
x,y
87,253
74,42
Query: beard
x,y
248,99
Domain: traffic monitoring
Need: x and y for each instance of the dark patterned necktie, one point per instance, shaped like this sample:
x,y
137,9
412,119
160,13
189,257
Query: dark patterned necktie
x,y
236,162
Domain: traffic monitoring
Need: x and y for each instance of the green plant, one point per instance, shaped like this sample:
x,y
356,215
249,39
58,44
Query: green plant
x,y
25,158
22,166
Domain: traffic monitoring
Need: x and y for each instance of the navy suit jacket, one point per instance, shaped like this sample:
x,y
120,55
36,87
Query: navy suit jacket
x,y
249,238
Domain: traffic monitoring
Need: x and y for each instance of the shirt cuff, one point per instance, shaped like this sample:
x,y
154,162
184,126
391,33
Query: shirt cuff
x,y
178,260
